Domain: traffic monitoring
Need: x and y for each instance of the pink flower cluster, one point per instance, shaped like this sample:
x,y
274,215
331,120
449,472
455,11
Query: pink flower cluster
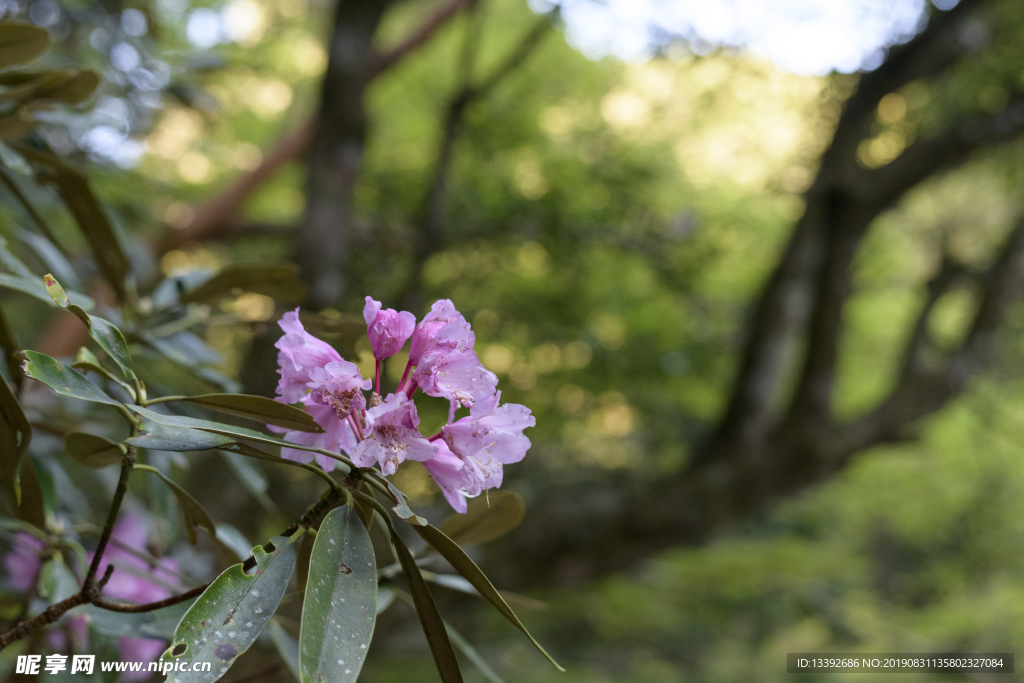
x,y
464,458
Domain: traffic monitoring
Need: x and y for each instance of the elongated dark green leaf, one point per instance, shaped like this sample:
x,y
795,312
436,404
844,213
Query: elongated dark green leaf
x,y
31,501
340,606
161,437
486,518
430,618
103,332
226,619
9,345
21,42
465,566
112,341
16,469
19,431
63,379
195,514
216,428
287,647
278,280
93,451
73,188
260,409
70,85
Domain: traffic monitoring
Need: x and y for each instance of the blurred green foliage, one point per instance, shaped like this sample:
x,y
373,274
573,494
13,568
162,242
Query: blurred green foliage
x,y
606,229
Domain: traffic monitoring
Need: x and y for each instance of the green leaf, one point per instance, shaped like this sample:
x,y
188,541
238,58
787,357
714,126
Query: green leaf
x,y
16,468
195,514
227,618
33,287
217,428
55,291
18,433
472,655
385,596
485,520
287,647
63,379
402,509
260,409
280,281
112,341
103,332
92,450
161,437
340,606
430,618
252,477
156,624
86,361
457,557
70,85
21,42
9,345
73,188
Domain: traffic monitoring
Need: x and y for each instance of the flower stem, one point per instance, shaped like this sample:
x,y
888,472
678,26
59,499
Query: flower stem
x,y
377,373
405,375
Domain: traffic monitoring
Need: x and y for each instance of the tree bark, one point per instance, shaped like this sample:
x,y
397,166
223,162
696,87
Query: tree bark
x,y
336,155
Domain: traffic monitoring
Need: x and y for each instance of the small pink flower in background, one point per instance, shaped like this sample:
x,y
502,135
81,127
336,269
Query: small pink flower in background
x,y
337,436
455,375
339,384
387,328
140,650
392,436
491,436
299,353
443,325
446,470
134,578
23,562
137,580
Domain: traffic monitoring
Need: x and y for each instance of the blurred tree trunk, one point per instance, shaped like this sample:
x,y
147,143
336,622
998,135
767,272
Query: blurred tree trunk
x,y
336,155
773,442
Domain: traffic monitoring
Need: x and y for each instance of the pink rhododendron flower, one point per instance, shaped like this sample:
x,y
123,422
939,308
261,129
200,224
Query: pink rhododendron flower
x,y
23,562
443,325
392,436
300,352
339,385
337,436
491,436
455,375
387,328
446,470
465,459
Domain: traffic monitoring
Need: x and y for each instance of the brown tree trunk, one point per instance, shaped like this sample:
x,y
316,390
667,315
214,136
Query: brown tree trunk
x,y
336,155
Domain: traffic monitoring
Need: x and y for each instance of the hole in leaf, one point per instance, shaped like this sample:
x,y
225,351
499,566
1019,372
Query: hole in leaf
x,y
179,649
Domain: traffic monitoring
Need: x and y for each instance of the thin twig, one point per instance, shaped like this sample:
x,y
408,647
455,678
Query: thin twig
x,y
115,507
150,606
